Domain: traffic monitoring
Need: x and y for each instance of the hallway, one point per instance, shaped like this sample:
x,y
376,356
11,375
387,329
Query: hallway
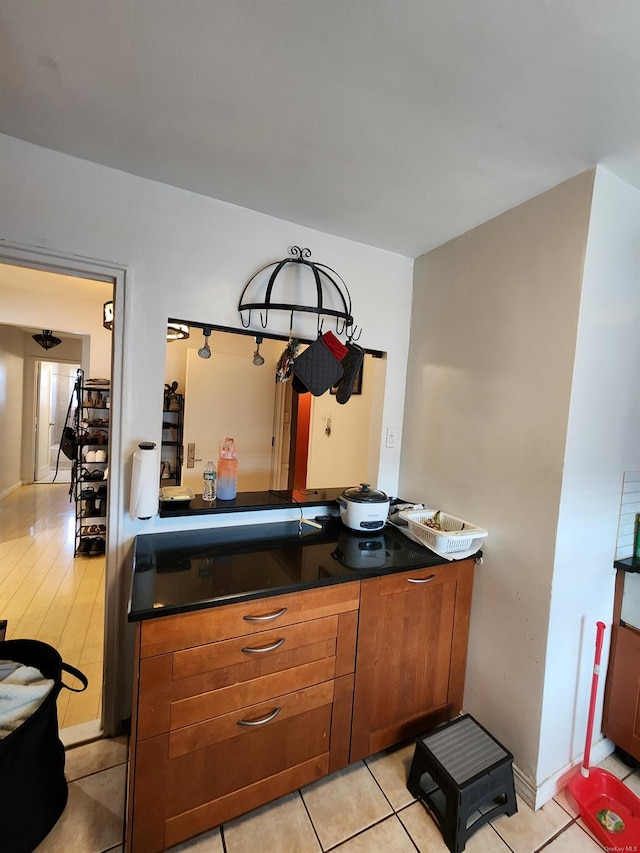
x,y
47,594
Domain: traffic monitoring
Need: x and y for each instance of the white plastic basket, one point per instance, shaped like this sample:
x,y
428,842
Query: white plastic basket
x,y
454,535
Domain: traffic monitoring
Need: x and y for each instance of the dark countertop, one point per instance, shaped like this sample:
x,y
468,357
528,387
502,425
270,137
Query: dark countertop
x,y
248,501
629,564
196,569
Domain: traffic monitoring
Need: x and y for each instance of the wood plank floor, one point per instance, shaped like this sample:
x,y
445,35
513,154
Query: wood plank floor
x,y
47,594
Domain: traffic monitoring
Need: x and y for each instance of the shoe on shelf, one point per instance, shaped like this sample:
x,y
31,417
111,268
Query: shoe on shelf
x,y
97,545
84,546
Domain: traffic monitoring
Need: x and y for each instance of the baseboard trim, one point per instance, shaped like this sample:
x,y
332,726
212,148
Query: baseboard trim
x,y
536,796
82,733
8,491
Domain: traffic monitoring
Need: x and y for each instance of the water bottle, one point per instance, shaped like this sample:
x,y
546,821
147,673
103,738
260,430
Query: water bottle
x,y
209,484
228,470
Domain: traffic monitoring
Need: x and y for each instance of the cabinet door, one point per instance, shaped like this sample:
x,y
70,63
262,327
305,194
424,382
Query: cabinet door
x,y
621,721
411,656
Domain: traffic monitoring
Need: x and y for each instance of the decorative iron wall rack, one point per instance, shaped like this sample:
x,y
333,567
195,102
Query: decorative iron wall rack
x,y
327,283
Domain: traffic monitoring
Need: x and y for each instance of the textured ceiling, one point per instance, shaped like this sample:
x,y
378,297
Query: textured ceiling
x,y
397,123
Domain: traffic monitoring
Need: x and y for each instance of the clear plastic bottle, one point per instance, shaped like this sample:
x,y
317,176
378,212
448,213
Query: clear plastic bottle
x,y
209,481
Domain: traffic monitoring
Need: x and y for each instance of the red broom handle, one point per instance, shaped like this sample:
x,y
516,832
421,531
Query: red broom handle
x,y
600,626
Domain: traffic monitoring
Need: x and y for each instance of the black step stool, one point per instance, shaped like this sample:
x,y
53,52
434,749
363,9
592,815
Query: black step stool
x,y
464,777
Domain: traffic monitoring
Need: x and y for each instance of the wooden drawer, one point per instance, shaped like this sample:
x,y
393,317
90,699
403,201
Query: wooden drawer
x,y
186,712
249,653
184,631
188,686
260,716
195,778
416,579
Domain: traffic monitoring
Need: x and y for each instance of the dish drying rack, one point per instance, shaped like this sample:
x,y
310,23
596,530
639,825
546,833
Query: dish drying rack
x,y
453,536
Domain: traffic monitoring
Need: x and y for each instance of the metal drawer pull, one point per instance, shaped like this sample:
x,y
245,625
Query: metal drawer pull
x,y
249,651
265,618
420,580
261,722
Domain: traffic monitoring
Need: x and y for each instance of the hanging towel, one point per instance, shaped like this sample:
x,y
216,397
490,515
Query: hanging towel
x,y
22,690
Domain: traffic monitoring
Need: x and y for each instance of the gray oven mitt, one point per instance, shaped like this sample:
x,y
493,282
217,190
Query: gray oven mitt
x,y
351,364
317,368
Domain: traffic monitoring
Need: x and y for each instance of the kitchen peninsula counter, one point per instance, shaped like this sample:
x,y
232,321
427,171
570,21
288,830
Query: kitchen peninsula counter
x,y
178,572
266,659
250,502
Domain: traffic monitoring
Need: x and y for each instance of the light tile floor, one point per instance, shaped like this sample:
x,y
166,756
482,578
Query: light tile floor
x,y
363,809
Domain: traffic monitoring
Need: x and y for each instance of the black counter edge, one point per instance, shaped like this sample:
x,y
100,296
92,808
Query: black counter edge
x,y
628,564
270,592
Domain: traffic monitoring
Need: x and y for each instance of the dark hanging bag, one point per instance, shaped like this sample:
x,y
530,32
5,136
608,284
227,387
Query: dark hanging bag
x,y
69,443
33,787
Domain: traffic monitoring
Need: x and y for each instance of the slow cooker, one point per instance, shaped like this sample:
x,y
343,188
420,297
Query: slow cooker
x,y
363,509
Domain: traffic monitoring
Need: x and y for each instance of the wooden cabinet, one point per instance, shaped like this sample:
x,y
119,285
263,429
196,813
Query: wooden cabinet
x,y
236,706
621,718
412,648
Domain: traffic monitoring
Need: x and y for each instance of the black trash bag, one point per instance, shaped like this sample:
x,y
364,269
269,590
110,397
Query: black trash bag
x,y
32,782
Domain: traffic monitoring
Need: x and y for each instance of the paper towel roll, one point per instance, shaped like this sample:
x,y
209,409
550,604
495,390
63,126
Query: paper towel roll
x,y
143,501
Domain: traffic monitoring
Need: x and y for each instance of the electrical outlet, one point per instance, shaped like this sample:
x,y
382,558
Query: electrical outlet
x,y
392,438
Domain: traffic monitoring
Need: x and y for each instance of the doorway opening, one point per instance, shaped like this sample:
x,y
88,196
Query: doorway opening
x,y
45,592
55,382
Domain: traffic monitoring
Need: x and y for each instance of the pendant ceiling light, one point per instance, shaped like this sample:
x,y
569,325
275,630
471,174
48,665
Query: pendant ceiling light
x,y
47,340
175,331
205,349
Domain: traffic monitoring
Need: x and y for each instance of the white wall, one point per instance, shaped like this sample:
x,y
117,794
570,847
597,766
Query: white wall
x,y
11,399
189,256
65,304
603,440
493,337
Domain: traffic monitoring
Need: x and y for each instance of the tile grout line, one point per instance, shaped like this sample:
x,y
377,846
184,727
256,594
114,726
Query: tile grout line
x,y
394,812
558,834
222,839
93,772
366,829
313,826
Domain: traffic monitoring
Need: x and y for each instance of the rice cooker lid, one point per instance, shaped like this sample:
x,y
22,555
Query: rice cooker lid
x,y
365,495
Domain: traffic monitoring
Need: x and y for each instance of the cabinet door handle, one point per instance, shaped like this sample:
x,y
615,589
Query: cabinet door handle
x,y
261,722
420,580
261,649
266,618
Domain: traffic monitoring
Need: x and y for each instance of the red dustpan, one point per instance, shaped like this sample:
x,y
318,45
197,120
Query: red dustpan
x,y
606,805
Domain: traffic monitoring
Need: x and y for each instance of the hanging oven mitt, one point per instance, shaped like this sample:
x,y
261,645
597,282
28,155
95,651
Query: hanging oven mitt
x,y
317,368
351,365
299,386
336,346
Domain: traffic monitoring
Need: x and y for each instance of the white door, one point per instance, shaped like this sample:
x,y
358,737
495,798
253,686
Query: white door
x,y
44,421
227,395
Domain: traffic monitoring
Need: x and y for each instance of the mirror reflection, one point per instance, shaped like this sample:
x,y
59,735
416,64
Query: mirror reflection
x,y
286,440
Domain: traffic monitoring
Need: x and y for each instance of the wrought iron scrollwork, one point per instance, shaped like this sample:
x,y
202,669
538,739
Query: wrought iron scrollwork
x,y
327,282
